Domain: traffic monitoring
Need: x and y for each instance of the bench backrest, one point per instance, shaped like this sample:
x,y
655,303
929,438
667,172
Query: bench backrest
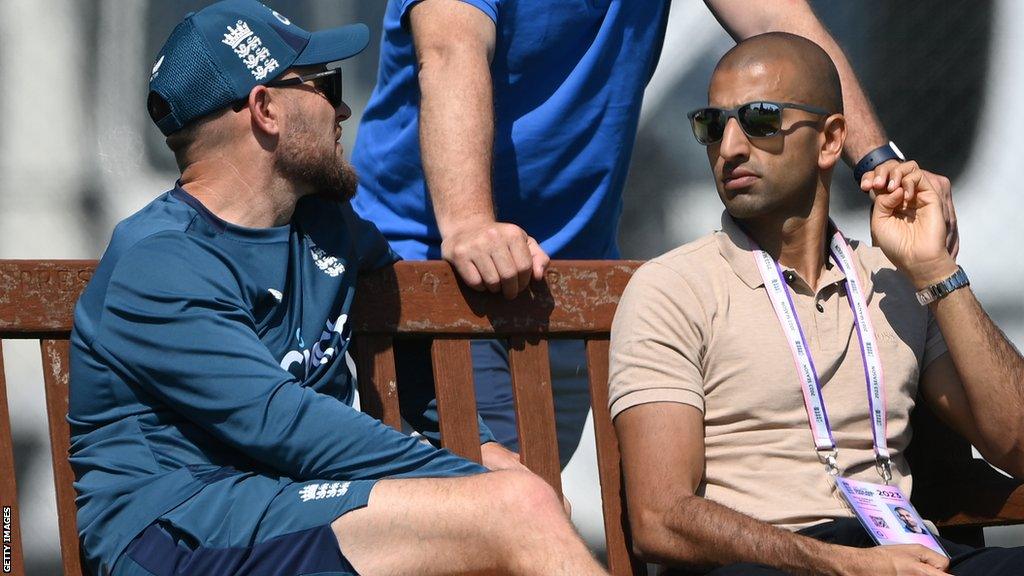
x,y
412,299
577,300
37,299
423,300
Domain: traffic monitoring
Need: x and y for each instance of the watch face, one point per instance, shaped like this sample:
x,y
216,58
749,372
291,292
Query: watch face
x,y
925,296
942,289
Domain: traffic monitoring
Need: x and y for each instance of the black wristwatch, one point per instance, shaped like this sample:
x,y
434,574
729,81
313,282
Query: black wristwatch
x,y
881,154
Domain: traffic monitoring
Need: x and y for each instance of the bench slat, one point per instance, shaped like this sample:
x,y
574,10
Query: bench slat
x,y
425,298
8,483
37,297
621,561
535,408
377,380
55,378
456,399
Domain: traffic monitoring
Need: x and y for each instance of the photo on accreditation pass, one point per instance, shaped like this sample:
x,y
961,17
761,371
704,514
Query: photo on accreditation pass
x,y
887,514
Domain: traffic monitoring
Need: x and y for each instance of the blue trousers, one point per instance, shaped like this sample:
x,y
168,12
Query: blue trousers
x,y
569,384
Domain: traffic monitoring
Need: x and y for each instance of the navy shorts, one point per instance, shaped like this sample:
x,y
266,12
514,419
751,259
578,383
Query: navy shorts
x,y
249,524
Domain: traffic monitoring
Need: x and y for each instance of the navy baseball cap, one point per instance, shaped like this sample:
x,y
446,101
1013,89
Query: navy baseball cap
x,y
217,55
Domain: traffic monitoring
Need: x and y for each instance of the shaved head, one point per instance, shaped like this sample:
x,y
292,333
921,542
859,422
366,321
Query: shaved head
x,y
805,69
787,173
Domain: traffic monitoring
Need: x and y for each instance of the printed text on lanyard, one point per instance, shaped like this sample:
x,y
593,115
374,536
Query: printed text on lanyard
x,y
817,416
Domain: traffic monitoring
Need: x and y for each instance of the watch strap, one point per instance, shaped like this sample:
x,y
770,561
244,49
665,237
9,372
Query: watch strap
x,y
942,289
883,153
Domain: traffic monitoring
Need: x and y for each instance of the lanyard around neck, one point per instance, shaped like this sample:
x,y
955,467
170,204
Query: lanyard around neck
x,y
810,385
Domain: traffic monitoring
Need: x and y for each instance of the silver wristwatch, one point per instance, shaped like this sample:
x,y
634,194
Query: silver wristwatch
x,y
942,289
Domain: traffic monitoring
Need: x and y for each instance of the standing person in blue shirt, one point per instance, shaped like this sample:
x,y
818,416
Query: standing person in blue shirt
x,y
210,402
500,134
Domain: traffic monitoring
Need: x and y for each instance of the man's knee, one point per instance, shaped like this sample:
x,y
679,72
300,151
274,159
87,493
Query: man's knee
x,y
517,492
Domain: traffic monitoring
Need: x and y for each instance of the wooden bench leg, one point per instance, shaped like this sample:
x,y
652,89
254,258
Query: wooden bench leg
x,y
621,561
11,561
55,377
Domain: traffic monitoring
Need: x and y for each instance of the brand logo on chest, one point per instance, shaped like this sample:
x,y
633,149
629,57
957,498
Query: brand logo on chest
x,y
321,353
327,264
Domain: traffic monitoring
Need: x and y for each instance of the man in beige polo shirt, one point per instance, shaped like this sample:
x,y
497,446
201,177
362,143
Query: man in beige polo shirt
x,y
719,453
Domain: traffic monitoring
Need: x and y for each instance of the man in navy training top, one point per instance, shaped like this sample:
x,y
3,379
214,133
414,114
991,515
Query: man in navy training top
x,y
212,431
500,134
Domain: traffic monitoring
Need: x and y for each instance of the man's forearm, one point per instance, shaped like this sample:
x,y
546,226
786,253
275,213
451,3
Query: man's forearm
x,y
701,533
992,372
864,130
457,136
455,43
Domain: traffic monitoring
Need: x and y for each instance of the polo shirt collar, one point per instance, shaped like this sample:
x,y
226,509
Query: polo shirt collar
x,y
735,246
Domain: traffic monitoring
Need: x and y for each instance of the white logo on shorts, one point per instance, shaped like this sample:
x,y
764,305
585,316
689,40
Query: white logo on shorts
x,y
321,491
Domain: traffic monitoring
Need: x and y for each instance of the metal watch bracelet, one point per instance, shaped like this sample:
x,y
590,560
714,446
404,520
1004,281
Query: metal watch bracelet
x,y
942,289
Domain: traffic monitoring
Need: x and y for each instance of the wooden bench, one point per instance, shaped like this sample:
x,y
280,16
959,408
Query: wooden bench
x,y
423,300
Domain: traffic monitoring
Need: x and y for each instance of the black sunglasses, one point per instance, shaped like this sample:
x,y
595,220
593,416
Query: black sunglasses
x,y
327,83
758,119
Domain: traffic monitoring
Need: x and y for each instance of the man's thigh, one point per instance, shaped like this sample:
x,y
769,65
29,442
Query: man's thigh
x,y
251,524
450,525
964,561
979,562
987,561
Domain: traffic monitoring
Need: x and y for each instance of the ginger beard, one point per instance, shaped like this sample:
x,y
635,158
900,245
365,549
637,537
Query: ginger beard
x,y
310,155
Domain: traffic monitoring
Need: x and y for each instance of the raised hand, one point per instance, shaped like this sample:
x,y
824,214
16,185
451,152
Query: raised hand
x,y
495,256
909,221
877,181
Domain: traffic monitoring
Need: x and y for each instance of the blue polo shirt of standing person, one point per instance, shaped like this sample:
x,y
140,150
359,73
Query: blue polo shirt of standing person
x,y
568,82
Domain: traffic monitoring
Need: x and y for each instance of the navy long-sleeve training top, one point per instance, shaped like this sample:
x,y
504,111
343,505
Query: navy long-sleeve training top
x,y
202,349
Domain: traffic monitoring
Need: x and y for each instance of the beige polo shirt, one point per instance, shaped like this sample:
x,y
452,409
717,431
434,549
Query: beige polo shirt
x,y
695,326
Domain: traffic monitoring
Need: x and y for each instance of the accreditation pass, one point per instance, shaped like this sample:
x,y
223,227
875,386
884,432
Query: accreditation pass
x,y
887,514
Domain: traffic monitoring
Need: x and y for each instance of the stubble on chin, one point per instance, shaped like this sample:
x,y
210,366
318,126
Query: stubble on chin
x,y
316,166
343,186
742,204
